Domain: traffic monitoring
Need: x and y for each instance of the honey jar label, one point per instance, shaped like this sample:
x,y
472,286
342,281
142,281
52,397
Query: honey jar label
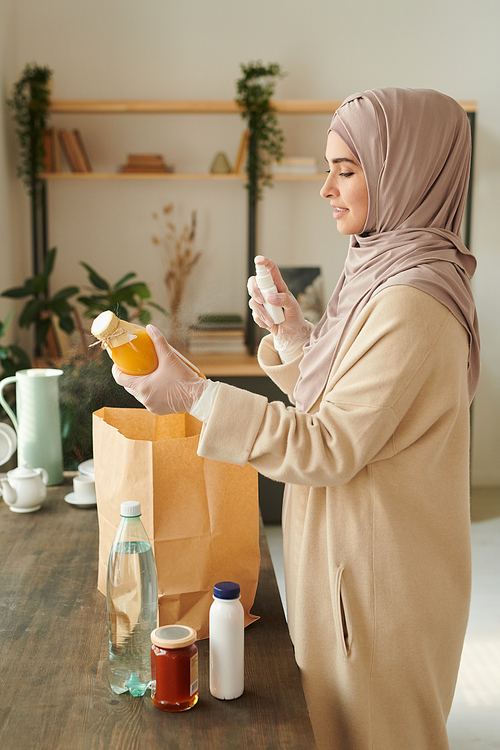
x,y
193,688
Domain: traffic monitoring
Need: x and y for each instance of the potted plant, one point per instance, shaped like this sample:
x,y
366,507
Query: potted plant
x,y
129,301
255,90
41,309
30,101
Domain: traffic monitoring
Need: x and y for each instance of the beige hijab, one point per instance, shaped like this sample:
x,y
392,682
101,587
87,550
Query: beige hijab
x,y
414,146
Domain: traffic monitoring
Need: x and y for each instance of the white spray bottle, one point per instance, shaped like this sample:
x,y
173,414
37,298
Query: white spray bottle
x,y
266,285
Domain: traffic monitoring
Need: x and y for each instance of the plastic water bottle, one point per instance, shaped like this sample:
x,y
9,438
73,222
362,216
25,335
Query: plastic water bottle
x,y
227,642
132,600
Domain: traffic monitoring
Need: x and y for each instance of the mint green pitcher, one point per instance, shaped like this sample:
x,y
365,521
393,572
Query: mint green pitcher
x,y
37,423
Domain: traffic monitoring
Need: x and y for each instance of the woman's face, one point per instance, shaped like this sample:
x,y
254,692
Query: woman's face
x,y
345,187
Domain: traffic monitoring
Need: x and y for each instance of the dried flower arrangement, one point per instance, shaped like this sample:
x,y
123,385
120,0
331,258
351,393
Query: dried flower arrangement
x,y
181,259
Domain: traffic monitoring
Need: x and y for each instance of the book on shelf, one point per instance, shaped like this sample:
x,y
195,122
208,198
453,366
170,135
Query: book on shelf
x,y
213,334
220,321
51,154
74,150
83,152
239,164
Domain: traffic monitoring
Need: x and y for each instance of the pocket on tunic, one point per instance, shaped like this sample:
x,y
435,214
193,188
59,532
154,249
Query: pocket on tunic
x,y
340,614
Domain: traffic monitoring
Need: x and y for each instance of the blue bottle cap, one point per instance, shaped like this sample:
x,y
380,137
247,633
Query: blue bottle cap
x,y
227,590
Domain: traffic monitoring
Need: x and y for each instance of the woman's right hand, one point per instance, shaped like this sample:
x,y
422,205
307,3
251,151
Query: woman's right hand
x,y
294,331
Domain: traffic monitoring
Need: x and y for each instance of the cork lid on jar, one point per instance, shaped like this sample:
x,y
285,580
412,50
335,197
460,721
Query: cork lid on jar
x,y
173,636
105,324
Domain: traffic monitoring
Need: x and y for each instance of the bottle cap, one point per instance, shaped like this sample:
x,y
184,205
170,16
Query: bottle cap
x,y
263,274
105,324
227,590
130,508
173,636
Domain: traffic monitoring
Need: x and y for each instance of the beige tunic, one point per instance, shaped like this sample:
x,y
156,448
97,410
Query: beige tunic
x,y
375,520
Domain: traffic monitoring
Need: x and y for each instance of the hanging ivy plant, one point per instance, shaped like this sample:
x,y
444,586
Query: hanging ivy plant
x,y
30,101
255,90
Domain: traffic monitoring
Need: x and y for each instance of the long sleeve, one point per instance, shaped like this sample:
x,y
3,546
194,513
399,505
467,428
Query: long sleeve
x,y
401,345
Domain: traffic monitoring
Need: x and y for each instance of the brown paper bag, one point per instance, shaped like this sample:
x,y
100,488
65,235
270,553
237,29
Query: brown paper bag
x,y
201,516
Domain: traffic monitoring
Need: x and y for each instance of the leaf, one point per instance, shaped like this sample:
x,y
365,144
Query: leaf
x,y
31,312
22,357
126,278
121,312
67,324
5,325
68,291
17,292
145,317
42,329
40,284
94,277
158,307
140,289
48,263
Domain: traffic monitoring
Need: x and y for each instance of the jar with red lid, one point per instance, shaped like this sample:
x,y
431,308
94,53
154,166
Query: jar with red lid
x,y
174,667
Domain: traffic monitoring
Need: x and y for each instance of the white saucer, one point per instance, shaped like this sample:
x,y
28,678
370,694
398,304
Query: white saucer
x,y
8,442
73,500
87,468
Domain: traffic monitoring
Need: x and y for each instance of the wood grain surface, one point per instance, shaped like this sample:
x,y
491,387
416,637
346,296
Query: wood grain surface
x,y
55,693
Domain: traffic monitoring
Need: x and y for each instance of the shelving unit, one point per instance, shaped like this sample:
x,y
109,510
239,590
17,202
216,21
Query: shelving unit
x,y
205,107
238,369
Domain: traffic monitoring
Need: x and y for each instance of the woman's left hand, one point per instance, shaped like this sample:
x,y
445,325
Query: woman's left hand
x,y
172,388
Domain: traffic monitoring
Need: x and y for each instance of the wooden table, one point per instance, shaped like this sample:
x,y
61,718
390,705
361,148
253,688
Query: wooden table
x,y
53,654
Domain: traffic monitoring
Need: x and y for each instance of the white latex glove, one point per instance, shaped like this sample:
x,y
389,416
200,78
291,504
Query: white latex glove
x,y
295,331
172,388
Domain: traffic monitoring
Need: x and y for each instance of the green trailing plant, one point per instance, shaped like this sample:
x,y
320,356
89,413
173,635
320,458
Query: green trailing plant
x,y
30,100
255,90
12,357
129,301
41,308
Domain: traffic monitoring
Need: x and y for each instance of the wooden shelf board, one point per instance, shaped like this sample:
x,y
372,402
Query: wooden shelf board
x,y
130,106
229,106
170,176
226,365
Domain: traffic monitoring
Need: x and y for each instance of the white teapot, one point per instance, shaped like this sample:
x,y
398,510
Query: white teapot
x,y
24,489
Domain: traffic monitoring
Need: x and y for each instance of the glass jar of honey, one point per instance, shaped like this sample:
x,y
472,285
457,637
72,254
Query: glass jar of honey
x,y
174,668
128,344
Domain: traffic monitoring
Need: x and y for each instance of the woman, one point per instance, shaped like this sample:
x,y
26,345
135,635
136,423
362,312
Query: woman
x,y
375,452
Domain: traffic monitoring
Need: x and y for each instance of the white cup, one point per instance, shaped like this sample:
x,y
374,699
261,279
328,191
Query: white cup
x,y
8,442
84,489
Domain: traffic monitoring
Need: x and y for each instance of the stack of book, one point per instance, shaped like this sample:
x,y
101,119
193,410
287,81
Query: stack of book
x,y
295,165
217,333
150,163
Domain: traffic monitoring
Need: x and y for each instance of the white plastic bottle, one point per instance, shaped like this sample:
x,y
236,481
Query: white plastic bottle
x,y
266,285
227,650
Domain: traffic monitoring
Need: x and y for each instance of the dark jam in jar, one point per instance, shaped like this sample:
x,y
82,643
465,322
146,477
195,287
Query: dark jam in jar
x,y
174,668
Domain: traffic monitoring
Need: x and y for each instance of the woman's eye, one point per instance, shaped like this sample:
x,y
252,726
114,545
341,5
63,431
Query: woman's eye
x,y
346,174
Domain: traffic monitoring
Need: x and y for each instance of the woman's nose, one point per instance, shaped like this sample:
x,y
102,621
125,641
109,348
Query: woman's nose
x,y
329,190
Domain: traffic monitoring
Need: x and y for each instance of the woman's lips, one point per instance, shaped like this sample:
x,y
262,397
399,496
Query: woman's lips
x,y
339,212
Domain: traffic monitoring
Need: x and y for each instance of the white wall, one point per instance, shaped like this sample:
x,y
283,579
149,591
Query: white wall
x,y
192,50
10,243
